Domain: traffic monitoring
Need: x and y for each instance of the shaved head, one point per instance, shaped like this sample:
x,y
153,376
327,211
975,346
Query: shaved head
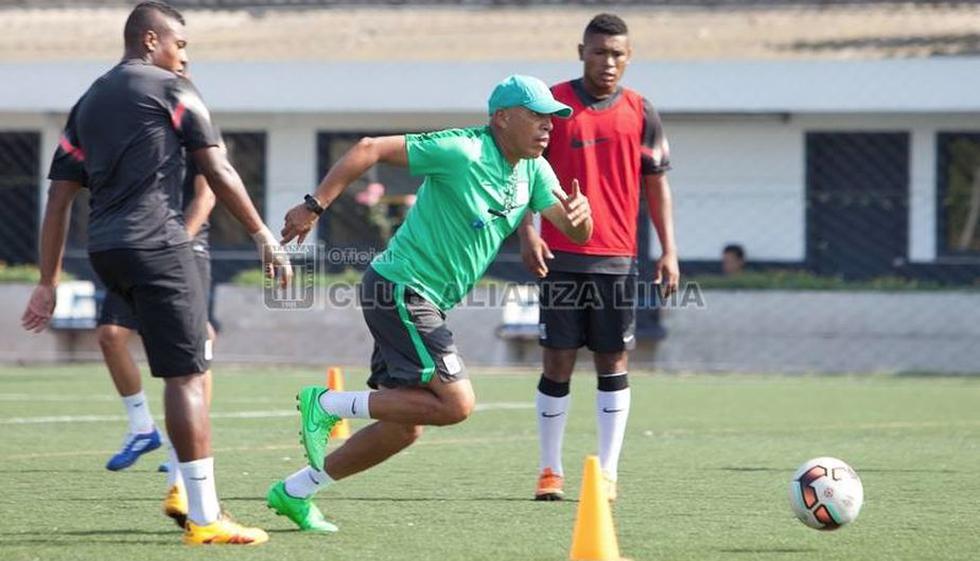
x,y
149,16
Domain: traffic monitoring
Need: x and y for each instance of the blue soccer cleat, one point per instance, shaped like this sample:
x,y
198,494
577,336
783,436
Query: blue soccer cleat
x,y
134,446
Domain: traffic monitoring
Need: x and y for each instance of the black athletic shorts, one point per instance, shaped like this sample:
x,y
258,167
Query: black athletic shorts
x,y
117,311
411,340
591,309
163,289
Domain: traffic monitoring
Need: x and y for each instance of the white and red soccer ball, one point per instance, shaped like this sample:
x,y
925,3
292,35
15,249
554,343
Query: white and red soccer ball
x,y
826,493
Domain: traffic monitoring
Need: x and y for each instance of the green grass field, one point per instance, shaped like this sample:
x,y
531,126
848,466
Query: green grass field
x,y
704,474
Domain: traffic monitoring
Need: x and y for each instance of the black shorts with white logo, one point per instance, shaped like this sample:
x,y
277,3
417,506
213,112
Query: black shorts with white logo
x,y
587,309
162,288
411,340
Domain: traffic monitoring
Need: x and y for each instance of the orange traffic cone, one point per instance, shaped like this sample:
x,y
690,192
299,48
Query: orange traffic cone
x,y
594,538
335,382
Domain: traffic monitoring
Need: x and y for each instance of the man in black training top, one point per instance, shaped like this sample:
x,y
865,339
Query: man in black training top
x,y
126,140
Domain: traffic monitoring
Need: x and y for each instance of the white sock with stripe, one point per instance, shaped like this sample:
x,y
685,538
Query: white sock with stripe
x,y
347,405
202,497
306,482
138,412
612,412
552,404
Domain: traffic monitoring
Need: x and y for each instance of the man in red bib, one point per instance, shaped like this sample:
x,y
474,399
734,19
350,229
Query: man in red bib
x,y
614,145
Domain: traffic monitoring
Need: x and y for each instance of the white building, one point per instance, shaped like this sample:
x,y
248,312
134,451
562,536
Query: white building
x,y
853,167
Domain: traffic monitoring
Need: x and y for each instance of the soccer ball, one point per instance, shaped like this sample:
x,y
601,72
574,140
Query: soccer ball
x,y
826,493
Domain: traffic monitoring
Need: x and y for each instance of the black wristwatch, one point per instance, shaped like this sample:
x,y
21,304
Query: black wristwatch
x,y
312,205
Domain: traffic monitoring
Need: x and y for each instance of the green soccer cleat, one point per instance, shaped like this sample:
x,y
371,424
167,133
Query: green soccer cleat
x,y
302,512
315,425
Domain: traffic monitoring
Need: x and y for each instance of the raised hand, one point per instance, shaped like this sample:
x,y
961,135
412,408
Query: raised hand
x,y
576,204
299,221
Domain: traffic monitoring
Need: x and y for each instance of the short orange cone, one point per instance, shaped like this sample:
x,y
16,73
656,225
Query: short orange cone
x,y
335,382
594,538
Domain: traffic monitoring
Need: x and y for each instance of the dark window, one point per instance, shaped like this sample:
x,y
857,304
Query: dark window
x,y
246,151
19,166
857,203
958,174
369,211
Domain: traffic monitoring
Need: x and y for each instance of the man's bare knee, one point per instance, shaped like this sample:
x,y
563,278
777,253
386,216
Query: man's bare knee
x,y
456,401
611,363
459,408
559,364
112,337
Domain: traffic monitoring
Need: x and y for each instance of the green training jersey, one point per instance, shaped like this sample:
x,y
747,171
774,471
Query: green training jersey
x,y
470,201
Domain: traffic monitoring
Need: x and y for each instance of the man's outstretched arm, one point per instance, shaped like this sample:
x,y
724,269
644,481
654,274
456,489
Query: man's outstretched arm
x,y
367,152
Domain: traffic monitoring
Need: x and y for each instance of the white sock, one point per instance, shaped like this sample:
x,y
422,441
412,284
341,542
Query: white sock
x,y
347,405
552,415
173,476
306,482
612,411
138,411
202,498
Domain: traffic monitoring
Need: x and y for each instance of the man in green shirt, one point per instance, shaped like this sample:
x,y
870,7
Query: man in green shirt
x,y
478,184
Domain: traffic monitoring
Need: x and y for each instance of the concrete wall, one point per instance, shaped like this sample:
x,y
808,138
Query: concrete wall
x,y
16,345
738,331
773,331
784,331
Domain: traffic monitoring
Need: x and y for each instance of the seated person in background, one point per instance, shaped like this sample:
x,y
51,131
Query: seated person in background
x,y
732,259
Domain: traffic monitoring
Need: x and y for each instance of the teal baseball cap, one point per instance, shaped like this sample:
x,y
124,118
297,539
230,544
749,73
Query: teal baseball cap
x,y
529,92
